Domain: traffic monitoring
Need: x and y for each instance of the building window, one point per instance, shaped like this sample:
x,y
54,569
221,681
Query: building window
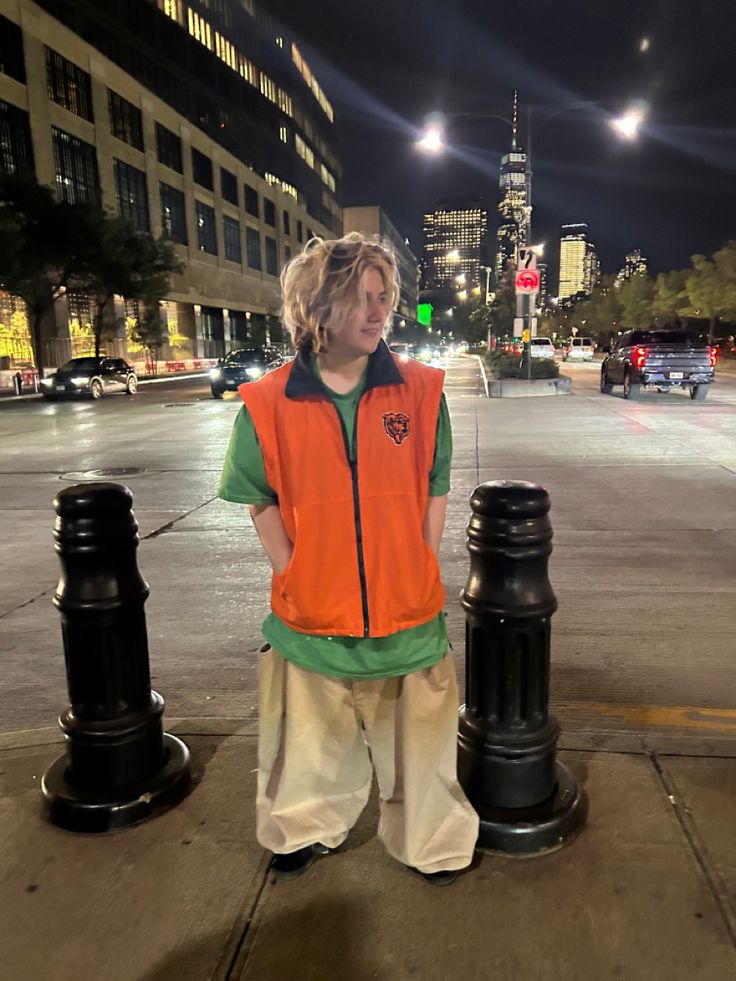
x,y
299,232
251,200
269,212
172,9
287,253
126,122
11,50
131,194
229,186
202,170
253,245
168,148
173,214
75,163
287,223
206,232
68,85
231,230
16,149
272,262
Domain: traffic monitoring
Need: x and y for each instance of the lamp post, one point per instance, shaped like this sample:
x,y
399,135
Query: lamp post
x,y
626,126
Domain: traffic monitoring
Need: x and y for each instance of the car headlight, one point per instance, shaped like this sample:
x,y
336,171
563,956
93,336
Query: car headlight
x,y
48,381
215,373
80,380
254,372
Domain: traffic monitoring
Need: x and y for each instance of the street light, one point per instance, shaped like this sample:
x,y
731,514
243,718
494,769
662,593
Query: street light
x,y
626,126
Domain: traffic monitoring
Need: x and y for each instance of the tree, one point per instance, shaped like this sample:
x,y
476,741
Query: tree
x,y
602,312
148,333
497,317
43,248
636,296
711,285
128,262
671,300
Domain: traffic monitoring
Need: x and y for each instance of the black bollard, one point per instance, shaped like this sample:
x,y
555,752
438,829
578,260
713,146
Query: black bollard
x,y
527,801
119,766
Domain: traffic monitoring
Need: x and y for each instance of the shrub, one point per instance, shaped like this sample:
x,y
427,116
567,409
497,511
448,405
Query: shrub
x,y
510,366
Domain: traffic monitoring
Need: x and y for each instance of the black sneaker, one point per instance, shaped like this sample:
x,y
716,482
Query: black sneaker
x,y
443,878
292,864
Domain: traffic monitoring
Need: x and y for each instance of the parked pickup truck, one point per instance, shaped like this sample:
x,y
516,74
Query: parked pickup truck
x,y
661,359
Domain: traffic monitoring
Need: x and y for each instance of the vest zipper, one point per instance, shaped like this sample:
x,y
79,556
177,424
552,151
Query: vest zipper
x,y
353,464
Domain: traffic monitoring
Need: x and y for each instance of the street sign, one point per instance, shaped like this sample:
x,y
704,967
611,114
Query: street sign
x,y
527,258
527,281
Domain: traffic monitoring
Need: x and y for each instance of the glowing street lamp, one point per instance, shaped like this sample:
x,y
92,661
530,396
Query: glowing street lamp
x,y
627,125
460,278
433,140
453,255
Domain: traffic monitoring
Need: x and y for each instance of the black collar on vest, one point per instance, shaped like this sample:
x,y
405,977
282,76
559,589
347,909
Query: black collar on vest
x,y
382,370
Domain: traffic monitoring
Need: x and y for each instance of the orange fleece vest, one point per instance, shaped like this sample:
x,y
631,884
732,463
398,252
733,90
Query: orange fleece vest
x,y
360,566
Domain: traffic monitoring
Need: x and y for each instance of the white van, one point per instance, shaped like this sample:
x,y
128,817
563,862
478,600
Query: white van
x,y
578,349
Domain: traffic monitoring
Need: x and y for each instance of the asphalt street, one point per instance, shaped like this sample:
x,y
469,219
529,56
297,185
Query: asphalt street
x,y
643,507
644,515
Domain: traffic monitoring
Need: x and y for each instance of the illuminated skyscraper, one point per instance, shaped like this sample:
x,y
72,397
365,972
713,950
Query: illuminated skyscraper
x,y
513,204
634,263
592,268
574,261
455,234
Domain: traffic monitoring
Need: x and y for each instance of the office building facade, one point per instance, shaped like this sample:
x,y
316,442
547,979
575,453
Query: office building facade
x,y
634,263
373,221
455,246
579,264
201,122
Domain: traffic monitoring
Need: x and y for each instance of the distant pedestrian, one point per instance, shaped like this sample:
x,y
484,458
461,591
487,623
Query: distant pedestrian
x,y
343,456
18,383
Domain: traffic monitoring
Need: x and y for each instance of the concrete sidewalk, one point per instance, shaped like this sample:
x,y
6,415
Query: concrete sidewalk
x,y
647,891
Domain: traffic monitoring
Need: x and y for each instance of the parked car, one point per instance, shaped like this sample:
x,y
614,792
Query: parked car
x,y
91,377
661,359
542,347
246,365
578,349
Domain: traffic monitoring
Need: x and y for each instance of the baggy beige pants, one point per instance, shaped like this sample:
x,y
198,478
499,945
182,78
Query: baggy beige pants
x,y
314,767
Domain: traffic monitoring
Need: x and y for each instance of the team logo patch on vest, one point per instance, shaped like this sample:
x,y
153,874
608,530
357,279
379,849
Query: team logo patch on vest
x,y
396,425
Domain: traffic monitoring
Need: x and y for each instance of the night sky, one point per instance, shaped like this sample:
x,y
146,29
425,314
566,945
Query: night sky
x,y
386,65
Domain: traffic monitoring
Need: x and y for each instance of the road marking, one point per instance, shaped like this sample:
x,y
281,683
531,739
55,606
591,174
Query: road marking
x,y
661,716
483,373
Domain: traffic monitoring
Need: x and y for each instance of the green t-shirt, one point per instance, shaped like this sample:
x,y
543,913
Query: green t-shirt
x,y
244,481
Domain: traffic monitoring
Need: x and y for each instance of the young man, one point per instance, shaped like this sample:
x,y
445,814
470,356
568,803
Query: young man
x,y
343,457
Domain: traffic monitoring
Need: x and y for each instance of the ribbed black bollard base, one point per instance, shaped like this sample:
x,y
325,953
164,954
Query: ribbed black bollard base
x,y
94,812
527,831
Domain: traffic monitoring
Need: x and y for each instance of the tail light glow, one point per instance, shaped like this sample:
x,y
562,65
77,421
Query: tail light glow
x,y
639,357
713,355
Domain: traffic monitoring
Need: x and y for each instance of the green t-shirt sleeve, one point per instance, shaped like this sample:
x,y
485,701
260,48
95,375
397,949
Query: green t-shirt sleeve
x,y
243,477
439,475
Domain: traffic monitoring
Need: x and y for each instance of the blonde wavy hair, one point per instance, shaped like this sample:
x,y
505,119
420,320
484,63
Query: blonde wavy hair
x,y
322,284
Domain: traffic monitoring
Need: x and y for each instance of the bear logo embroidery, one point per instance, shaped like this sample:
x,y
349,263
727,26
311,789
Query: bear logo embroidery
x,y
396,425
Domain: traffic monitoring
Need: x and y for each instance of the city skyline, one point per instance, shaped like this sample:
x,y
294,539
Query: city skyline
x,y
669,193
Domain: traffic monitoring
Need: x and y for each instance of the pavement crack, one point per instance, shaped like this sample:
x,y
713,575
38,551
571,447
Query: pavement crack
x,y
170,524
28,602
716,887
234,961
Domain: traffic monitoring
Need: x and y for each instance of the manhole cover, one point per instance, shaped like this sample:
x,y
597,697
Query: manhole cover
x,y
102,474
